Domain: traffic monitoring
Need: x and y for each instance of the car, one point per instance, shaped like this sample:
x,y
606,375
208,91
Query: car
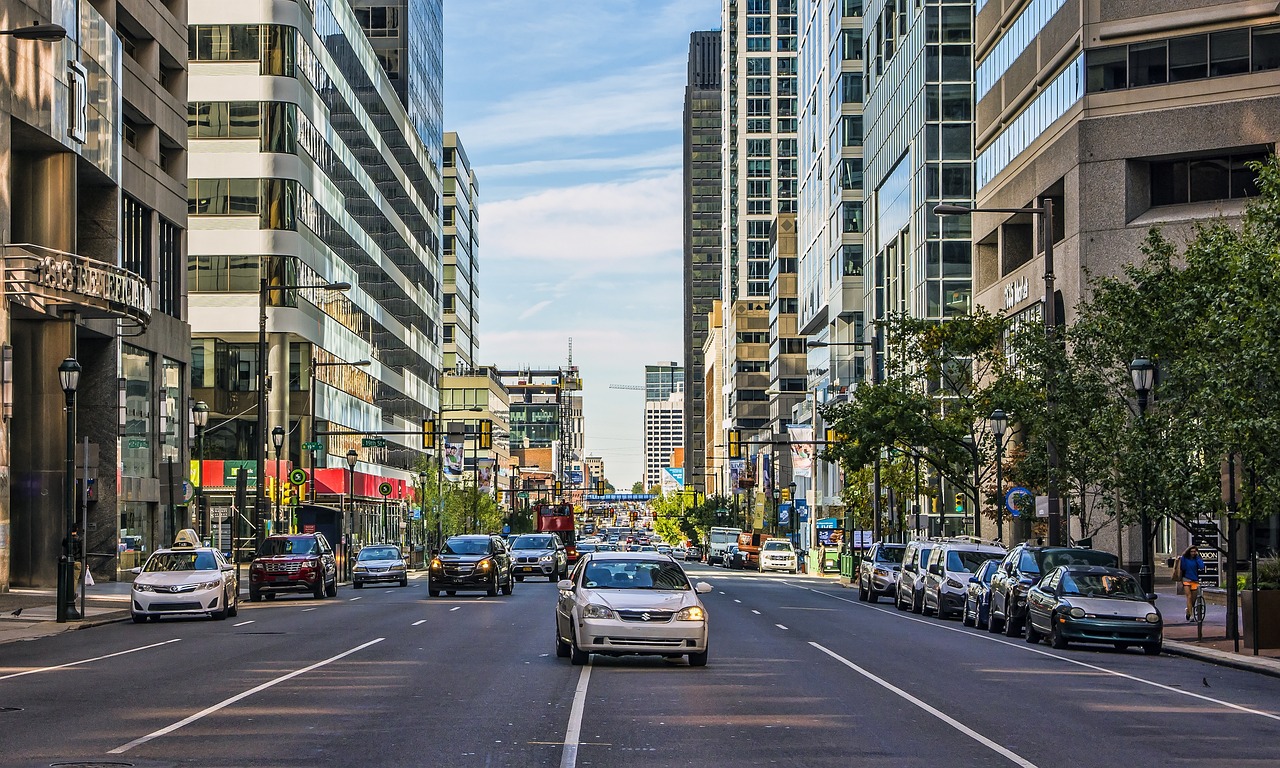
x,y
587,546
186,579
946,576
910,588
539,554
693,553
631,603
679,552
878,571
471,563
977,596
1025,565
664,549
379,562
1093,604
293,562
733,558
778,555
647,548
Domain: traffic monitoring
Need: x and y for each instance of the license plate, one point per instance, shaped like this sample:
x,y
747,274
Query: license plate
x,y
527,568
279,578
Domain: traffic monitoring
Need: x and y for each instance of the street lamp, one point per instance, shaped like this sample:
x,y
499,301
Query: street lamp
x,y
1045,212
277,440
1143,375
352,458
200,418
422,516
44,33
69,377
259,450
795,510
999,422
311,453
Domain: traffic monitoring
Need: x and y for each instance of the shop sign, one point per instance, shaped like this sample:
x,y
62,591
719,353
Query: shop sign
x,y
53,278
1016,292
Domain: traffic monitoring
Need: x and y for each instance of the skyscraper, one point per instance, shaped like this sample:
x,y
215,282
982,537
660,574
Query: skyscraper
x,y
461,282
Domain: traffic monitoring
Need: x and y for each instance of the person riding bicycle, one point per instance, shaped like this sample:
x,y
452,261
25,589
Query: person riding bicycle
x,y
1190,566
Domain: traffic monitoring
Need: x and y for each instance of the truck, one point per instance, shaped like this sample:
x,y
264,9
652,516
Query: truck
x,y
718,541
558,519
749,543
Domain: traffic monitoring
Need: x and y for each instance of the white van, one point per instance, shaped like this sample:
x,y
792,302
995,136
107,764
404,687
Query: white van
x,y
950,566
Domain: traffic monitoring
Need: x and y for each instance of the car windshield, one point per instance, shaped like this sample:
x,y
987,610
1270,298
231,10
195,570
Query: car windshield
x,y
165,562
966,562
466,547
634,574
531,542
777,546
890,554
379,553
987,571
1117,585
292,545
1052,558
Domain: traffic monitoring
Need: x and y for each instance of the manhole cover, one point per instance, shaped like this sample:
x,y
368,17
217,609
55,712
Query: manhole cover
x,y
10,709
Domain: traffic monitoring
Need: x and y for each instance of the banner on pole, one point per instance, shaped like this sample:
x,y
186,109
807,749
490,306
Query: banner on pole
x,y
801,450
484,475
453,458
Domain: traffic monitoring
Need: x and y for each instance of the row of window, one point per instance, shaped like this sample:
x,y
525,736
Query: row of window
x,y
1014,41
1202,179
1178,59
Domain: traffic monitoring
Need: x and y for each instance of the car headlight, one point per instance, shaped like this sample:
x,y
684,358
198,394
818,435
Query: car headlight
x,y
361,568
594,611
1076,613
485,564
546,558
143,587
691,613
954,584
211,585
1153,617
436,564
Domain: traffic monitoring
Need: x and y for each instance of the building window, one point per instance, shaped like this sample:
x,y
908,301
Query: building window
x,y
224,120
171,268
759,125
758,65
1204,179
758,147
223,42
379,22
758,107
136,238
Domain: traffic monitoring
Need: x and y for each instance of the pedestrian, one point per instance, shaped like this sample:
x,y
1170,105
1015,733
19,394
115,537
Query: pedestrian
x,y
1188,570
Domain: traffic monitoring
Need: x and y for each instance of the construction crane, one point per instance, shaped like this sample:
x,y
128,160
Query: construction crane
x,y
636,387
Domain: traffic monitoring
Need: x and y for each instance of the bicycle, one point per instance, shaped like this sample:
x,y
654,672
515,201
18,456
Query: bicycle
x,y
1197,605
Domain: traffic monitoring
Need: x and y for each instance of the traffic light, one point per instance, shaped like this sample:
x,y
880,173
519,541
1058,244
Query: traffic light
x,y
834,437
485,438
558,488
959,503
735,444
429,429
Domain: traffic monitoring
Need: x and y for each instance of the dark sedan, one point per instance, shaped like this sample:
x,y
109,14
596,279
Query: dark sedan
x,y
977,597
1093,604
471,563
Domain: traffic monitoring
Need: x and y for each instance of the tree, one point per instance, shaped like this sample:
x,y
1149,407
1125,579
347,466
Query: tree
x,y
637,486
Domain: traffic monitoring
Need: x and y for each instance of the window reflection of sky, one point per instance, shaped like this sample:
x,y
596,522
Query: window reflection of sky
x,y
894,201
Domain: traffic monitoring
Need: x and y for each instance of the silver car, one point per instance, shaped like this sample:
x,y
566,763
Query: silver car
x,y
620,603
539,554
379,562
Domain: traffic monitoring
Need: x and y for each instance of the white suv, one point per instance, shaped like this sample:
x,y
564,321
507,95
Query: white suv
x,y
946,576
777,555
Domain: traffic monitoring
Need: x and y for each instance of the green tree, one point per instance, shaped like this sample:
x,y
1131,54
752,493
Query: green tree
x,y
637,486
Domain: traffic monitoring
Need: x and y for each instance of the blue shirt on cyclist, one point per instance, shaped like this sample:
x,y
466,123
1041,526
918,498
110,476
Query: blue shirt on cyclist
x,y
1190,566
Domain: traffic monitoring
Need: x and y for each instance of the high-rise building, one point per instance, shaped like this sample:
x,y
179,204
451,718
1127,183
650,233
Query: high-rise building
x,y
548,430
760,156
1125,116
461,298
407,36
702,232
663,402
322,177
787,378
94,230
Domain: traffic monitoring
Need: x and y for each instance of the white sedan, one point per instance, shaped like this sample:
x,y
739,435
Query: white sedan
x,y
184,580
620,603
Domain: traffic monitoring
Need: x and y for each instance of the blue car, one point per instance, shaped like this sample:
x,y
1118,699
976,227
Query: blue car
x,y
977,598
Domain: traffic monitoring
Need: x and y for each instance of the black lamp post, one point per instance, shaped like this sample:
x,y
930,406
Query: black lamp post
x,y
200,418
422,516
999,422
277,440
69,378
1143,374
795,510
352,458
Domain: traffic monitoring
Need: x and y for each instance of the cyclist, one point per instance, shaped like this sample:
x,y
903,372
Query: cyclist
x,y
1190,566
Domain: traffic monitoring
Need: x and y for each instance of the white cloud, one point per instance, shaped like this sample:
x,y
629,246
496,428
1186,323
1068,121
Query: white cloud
x,y
664,158
535,309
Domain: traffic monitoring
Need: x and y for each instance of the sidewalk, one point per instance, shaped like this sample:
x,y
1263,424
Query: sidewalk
x,y
1180,636
37,610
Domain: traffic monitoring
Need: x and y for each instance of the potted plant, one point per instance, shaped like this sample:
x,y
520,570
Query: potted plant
x,y
1268,604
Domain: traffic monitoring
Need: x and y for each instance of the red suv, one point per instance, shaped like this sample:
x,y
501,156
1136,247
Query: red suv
x,y
298,562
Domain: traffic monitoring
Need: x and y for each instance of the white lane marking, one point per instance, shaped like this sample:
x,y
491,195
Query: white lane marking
x,y
779,626
753,610
961,727
241,624
352,600
735,599
86,661
304,610
228,702
419,621
1032,649
388,591
454,608
571,735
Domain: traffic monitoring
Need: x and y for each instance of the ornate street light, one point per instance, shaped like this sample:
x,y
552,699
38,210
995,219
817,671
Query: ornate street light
x,y
69,377
1143,375
999,423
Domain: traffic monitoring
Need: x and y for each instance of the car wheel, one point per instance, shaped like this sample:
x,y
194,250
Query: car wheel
x,y
917,604
269,595
577,656
978,621
221,614
1153,649
862,592
404,582
1122,647
254,595
552,577
492,590
318,592
1012,626
358,584
1056,639
235,604
965,618
331,589
138,618
562,648
432,592
925,610
994,624
698,659
510,586
1033,636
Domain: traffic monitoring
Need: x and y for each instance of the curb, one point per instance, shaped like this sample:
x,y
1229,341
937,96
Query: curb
x,y
1220,658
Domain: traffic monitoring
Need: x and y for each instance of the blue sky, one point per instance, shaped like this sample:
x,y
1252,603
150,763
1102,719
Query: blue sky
x,y
570,112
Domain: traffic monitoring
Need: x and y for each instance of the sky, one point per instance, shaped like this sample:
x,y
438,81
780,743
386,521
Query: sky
x,y
570,113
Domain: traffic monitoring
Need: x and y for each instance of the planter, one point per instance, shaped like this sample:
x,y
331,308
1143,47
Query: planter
x,y
1268,617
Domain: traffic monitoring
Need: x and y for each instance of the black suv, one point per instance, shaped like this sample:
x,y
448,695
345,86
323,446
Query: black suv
x,y
878,571
293,562
1021,569
471,563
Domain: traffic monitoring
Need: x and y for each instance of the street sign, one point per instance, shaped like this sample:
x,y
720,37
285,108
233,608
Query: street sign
x,y
298,477
1204,537
1011,500
373,442
313,445
522,495
384,488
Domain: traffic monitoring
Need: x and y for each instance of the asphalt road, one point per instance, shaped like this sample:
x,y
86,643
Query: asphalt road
x,y
801,674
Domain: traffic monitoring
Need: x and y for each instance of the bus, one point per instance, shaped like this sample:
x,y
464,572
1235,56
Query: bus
x,y
719,541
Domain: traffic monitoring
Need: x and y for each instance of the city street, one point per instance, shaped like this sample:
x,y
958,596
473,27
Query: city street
x,y
800,674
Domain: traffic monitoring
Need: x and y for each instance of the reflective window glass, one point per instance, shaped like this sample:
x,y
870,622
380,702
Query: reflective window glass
x,y
1188,58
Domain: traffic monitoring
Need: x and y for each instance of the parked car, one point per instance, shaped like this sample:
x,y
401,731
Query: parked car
x,y
293,562
539,554
186,579
946,576
910,589
470,563
379,562
679,552
631,603
977,596
778,555
1093,604
878,571
1025,565
693,553
734,558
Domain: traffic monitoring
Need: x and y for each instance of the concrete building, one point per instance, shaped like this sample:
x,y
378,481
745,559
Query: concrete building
x,y
595,471
1126,116
702,236
467,399
715,458
760,115
93,152
787,357
547,425
663,426
461,300
321,177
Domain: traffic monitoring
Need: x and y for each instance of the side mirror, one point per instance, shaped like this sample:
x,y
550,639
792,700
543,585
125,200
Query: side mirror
x,y
702,588
1151,597
975,580
565,585
135,570
935,569
228,567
